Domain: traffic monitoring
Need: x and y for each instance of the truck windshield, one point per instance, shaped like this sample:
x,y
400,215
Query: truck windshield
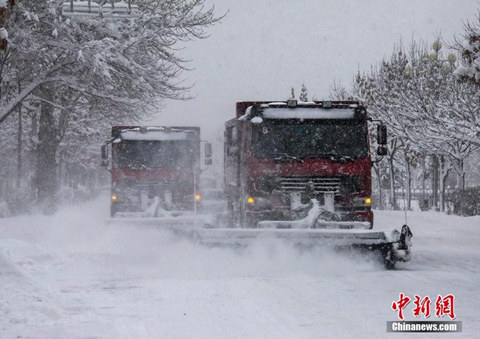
x,y
173,154
309,140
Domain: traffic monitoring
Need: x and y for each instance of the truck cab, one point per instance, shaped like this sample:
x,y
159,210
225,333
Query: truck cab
x,y
149,162
281,155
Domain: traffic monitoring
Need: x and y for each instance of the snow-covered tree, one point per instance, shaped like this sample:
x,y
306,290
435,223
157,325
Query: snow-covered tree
x,y
339,92
380,91
427,111
469,48
87,73
303,94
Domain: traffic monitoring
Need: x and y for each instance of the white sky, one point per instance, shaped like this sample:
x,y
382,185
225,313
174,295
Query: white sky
x,y
264,47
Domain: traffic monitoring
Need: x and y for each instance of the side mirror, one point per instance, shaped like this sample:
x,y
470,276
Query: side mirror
x,y
382,150
104,154
208,153
382,134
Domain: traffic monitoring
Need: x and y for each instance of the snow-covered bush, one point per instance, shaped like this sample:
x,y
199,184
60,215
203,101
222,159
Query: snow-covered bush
x,y
4,210
466,202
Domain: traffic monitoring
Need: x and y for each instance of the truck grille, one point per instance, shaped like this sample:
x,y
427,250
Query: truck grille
x,y
321,184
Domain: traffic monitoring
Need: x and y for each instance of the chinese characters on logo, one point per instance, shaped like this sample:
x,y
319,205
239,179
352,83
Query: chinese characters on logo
x,y
400,305
443,306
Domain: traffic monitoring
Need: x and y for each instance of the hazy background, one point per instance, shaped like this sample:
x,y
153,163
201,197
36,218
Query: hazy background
x,y
264,47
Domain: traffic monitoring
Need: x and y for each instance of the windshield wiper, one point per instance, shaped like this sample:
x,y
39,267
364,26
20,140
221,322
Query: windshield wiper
x,y
333,156
135,165
286,156
342,158
326,155
346,158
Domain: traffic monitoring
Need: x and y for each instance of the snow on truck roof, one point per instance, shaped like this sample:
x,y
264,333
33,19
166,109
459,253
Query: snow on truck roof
x,y
307,110
308,113
154,133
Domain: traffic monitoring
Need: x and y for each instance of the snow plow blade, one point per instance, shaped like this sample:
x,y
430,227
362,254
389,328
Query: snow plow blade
x,y
313,231
390,246
156,216
184,221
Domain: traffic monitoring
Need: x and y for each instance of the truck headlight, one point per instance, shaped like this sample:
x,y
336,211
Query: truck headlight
x,y
366,201
258,203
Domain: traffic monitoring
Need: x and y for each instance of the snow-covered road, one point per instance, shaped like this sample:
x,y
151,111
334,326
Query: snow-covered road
x,y
71,276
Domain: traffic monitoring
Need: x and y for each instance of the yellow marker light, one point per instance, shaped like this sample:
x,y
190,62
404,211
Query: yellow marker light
x,y
198,197
368,201
114,197
250,200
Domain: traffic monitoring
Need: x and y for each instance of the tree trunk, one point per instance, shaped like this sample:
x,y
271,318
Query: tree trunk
x,y
409,184
393,194
46,166
435,180
460,170
376,168
444,170
19,148
423,181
